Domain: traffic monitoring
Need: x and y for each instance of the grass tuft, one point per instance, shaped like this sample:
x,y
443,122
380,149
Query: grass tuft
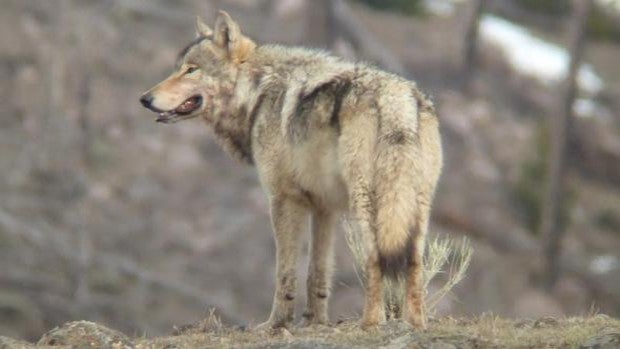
x,y
443,257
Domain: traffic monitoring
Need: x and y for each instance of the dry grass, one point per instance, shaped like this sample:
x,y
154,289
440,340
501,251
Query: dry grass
x,y
530,333
487,331
443,257
447,257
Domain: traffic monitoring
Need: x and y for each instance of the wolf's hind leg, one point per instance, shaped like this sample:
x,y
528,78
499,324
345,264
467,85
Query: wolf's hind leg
x,y
356,153
374,312
362,213
320,268
414,301
289,219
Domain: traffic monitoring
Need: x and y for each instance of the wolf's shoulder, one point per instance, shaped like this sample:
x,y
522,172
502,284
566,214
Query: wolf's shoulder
x,y
302,63
299,61
313,69
306,55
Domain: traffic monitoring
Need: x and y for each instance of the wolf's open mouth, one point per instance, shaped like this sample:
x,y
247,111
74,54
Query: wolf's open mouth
x,y
189,106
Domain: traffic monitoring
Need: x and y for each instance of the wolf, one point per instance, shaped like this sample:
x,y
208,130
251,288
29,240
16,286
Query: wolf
x,y
329,139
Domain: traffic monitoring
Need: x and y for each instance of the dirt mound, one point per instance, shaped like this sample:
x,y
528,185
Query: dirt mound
x,y
487,332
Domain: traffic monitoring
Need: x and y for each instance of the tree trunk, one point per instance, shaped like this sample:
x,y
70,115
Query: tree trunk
x,y
470,41
347,26
320,31
561,125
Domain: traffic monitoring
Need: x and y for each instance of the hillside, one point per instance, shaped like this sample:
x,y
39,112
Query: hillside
x,y
600,332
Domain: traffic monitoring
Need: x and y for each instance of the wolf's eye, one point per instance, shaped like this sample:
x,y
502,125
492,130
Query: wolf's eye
x,y
191,70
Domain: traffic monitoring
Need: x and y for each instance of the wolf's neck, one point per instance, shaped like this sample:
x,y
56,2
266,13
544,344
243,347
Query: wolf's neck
x,y
234,118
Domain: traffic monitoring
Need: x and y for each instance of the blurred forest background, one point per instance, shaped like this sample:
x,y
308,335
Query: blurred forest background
x,y
107,216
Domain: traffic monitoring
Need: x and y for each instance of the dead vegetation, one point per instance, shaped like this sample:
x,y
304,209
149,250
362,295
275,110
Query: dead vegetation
x,y
444,257
487,331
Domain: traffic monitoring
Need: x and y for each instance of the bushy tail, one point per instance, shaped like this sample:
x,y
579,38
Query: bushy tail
x,y
395,185
396,207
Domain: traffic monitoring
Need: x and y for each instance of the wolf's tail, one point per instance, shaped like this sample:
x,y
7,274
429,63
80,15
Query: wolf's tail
x,y
398,176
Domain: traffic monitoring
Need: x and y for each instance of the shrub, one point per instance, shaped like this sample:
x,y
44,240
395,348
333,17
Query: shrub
x,y
443,257
529,188
602,23
549,7
410,7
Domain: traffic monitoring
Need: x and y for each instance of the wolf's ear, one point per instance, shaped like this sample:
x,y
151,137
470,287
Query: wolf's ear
x,y
229,37
202,29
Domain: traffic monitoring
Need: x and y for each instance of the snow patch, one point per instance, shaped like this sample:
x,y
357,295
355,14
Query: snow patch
x,y
603,264
533,56
585,108
441,8
611,4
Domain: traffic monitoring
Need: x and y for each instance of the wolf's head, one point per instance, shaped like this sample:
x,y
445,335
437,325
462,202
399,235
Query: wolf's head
x,y
204,74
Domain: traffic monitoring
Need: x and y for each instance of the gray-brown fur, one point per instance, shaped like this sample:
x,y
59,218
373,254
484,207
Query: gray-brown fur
x,y
328,138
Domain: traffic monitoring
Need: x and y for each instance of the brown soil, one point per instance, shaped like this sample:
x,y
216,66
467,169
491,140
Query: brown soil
x,y
487,331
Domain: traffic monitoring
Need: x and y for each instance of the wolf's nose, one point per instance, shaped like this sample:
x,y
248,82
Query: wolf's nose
x,y
146,100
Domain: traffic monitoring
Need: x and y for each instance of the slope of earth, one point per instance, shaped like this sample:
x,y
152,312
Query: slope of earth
x,y
598,331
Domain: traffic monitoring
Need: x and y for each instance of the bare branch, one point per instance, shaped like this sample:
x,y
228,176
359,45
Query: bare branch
x,y
151,9
125,265
347,25
561,125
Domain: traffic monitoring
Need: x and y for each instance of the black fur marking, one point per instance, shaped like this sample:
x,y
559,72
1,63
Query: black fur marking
x,y
396,137
424,102
338,88
396,265
235,141
310,199
257,79
299,122
379,115
235,131
279,104
251,122
341,92
321,294
303,100
244,140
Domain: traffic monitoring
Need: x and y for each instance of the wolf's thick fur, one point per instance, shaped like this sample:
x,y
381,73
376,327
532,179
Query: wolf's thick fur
x,y
328,138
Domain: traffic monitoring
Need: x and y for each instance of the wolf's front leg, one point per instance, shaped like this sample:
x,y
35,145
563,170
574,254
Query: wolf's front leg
x,y
289,219
319,268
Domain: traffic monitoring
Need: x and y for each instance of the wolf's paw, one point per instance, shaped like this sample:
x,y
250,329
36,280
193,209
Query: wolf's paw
x,y
418,322
310,319
370,323
271,325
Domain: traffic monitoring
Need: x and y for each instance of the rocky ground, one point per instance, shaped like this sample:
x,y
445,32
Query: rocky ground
x,y
598,331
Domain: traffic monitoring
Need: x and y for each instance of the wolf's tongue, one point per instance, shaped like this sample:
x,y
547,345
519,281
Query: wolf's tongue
x,y
187,106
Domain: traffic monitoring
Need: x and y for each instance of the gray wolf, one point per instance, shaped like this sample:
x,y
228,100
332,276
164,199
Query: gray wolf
x,y
328,138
